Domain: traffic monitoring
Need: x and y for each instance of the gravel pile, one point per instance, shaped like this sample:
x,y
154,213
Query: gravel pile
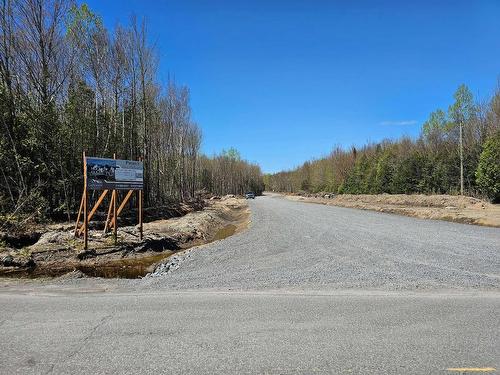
x,y
172,264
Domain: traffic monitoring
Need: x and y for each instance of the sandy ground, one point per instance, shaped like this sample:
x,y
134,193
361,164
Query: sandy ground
x,y
458,209
58,252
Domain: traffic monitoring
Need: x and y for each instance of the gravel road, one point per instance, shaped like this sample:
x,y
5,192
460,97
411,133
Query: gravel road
x,y
310,246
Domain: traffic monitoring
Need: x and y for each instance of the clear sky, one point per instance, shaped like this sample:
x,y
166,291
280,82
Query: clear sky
x,y
285,81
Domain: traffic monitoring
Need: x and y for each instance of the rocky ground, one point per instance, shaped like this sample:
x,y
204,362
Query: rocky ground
x,y
53,250
453,208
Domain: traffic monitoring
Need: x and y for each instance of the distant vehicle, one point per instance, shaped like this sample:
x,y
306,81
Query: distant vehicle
x,y
250,195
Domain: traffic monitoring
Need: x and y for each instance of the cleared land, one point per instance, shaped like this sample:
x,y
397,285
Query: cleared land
x,y
453,208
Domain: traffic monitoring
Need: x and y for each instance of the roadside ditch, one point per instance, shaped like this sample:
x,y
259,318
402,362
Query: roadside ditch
x,y
53,251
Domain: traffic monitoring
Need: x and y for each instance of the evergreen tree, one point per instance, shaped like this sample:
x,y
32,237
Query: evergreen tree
x,y
488,169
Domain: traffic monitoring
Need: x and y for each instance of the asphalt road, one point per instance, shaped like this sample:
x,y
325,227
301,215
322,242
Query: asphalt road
x,y
306,289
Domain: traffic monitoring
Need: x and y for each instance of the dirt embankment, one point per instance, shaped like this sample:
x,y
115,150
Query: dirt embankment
x,y
459,209
53,250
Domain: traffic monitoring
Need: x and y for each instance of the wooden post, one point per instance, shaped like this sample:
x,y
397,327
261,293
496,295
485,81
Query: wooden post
x,y
140,214
77,231
108,218
112,220
140,209
115,214
124,202
85,205
92,211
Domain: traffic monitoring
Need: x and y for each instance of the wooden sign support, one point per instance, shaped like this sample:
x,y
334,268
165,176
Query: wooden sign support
x,y
92,211
113,211
115,227
110,220
139,209
85,205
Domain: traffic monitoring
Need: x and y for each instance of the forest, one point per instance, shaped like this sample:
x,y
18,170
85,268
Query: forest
x,y
69,85
429,164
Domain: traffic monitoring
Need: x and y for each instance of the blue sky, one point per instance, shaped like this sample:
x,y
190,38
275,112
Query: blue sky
x,y
285,81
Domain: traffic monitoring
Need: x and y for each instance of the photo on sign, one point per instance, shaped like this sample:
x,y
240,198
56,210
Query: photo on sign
x,y
101,169
114,174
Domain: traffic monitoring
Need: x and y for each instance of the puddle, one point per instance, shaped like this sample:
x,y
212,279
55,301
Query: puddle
x,y
131,268
225,232
128,268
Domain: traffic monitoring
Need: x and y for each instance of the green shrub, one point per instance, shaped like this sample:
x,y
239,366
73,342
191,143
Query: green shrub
x,y
488,169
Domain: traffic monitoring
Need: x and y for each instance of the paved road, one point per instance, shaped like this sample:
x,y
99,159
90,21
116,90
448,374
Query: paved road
x,y
307,289
246,333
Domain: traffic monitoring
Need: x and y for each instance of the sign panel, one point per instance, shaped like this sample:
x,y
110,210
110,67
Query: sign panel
x,y
112,174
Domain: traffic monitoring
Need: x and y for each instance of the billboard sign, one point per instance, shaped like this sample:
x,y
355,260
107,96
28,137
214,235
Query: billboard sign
x,y
109,174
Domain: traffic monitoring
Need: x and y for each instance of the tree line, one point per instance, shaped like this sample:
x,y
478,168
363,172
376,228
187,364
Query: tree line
x,y
227,172
68,85
427,164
